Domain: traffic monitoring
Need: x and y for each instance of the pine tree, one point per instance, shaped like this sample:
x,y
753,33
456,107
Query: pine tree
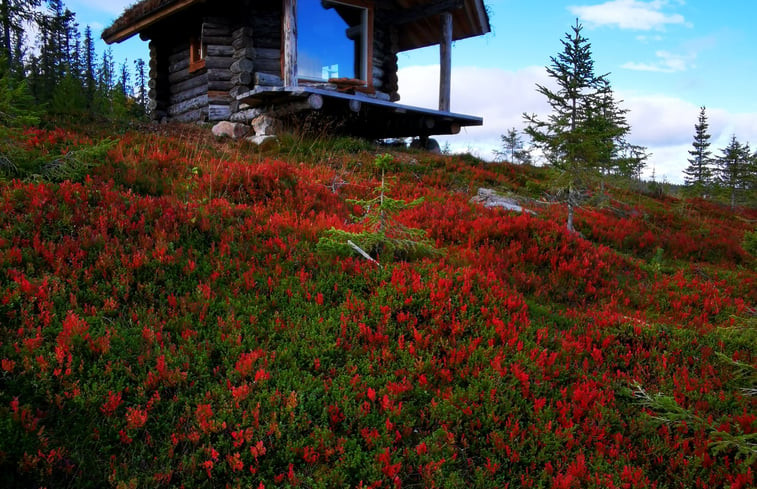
x,y
733,168
141,86
14,14
579,133
698,175
607,126
89,65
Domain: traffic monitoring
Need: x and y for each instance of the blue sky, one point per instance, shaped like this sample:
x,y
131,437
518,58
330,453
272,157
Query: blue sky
x,y
665,59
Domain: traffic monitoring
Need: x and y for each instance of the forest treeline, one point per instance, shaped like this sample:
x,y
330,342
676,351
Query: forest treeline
x,y
49,64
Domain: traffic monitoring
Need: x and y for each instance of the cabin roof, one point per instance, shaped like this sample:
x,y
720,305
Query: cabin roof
x,y
418,20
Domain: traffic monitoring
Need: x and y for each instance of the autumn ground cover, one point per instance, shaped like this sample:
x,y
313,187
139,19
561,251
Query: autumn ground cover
x,y
167,321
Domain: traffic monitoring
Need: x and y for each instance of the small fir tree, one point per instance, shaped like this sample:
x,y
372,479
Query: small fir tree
x,y
383,237
580,131
513,149
698,175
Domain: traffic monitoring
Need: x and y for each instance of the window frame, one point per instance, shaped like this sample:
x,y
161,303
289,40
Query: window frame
x,y
367,62
197,53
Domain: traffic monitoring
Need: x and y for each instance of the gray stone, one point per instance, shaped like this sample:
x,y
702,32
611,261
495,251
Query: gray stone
x,y
233,130
264,141
489,198
265,125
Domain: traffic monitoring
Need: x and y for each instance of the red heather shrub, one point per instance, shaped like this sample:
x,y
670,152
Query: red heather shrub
x,y
167,322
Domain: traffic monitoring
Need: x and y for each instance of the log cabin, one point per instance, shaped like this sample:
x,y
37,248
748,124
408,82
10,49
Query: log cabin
x,y
260,62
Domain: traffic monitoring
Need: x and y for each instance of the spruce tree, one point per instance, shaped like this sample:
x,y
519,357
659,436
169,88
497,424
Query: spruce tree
x,y
14,14
140,88
733,168
89,62
698,175
578,136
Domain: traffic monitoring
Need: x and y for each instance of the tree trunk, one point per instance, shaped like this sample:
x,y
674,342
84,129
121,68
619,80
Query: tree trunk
x,y
5,9
570,210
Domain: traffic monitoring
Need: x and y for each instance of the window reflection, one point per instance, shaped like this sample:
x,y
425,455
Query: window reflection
x,y
332,40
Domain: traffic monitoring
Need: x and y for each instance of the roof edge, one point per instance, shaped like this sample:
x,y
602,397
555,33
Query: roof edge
x,y
121,29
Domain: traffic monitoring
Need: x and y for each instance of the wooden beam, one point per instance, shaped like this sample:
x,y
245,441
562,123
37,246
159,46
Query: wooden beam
x,y
147,21
445,62
289,26
425,11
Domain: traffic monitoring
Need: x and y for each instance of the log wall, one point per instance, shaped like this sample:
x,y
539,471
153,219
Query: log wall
x,y
219,56
243,49
385,55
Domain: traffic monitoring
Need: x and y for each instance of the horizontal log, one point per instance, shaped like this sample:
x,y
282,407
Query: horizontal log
x,y
179,65
192,116
214,50
271,66
179,97
217,22
219,74
268,42
179,55
242,65
152,83
218,63
241,78
197,81
219,97
245,52
224,40
224,85
268,80
180,76
219,113
209,30
187,105
267,53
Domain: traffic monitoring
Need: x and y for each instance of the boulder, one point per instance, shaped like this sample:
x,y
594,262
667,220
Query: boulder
x,y
489,198
233,130
265,125
263,141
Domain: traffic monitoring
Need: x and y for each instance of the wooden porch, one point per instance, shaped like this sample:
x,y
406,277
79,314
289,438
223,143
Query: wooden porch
x,y
357,114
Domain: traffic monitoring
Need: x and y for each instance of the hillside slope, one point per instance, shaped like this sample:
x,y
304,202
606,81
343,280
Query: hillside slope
x,y
167,322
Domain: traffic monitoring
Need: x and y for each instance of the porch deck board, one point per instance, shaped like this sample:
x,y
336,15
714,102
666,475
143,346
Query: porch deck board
x,y
376,118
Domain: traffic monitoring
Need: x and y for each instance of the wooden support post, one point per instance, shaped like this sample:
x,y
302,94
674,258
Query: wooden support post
x,y
445,61
289,24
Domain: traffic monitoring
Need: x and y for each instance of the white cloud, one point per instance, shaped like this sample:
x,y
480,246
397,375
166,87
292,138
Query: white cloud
x,y
647,39
667,62
664,124
500,97
628,14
